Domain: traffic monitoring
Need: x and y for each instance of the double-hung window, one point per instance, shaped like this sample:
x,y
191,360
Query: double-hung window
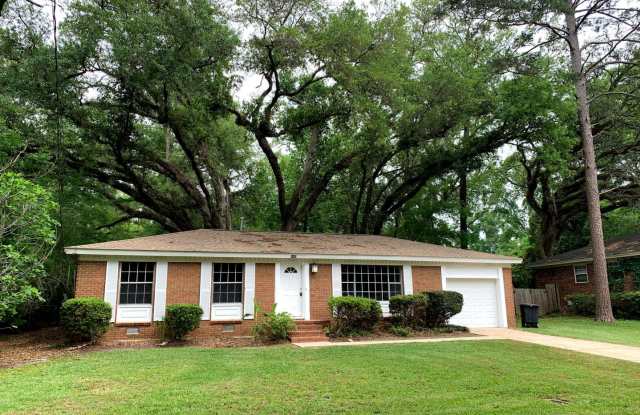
x,y
377,282
136,282
582,276
227,283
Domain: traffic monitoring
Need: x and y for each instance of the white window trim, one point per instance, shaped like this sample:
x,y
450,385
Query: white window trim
x,y
227,311
123,312
575,274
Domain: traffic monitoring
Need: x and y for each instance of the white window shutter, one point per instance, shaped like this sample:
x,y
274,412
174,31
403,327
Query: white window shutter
x,y
205,289
160,294
336,280
111,287
249,289
407,277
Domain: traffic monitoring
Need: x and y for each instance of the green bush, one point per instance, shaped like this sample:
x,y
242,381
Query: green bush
x,y
408,310
582,304
272,326
85,319
353,315
626,305
181,319
400,331
441,306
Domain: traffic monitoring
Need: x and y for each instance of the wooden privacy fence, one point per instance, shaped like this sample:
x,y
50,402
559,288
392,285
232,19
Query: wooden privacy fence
x,y
547,298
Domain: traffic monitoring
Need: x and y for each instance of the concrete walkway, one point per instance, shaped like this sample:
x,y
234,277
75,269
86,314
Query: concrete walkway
x,y
616,351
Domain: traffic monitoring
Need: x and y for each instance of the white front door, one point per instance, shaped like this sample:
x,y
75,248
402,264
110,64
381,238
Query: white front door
x,y
290,290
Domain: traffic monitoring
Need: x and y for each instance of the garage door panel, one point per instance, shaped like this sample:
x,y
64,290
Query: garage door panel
x,y
480,308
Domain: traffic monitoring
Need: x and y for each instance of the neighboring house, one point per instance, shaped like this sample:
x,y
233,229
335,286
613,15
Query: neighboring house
x,y
228,273
571,271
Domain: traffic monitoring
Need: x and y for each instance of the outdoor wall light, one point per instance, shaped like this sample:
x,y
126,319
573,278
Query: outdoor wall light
x,y
314,268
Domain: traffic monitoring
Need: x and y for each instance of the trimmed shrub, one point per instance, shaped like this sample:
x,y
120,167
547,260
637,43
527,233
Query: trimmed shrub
x,y
181,319
85,319
582,304
353,315
400,331
626,305
273,326
441,306
408,310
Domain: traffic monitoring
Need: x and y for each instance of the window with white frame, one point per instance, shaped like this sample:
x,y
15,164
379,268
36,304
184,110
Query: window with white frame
x,y
582,276
136,282
227,283
377,282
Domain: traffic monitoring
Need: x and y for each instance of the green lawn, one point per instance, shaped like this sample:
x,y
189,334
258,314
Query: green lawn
x,y
445,378
622,331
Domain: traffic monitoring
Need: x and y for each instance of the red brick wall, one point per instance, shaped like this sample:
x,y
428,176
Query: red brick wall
x,y
183,283
90,279
265,285
565,279
426,278
320,291
508,297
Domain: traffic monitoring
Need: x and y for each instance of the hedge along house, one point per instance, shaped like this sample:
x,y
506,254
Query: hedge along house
x,y
228,273
571,272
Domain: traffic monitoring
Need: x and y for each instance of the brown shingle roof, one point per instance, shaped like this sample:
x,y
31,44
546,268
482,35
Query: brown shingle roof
x,y
278,243
624,246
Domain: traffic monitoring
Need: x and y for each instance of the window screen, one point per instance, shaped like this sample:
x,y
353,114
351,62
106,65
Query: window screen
x,y
378,282
227,283
136,282
581,273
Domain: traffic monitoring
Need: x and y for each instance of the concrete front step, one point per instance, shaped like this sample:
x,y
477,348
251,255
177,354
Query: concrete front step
x,y
309,331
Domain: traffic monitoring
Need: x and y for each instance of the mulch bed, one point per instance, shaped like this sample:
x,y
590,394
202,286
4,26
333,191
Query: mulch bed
x,y
48,343
384,334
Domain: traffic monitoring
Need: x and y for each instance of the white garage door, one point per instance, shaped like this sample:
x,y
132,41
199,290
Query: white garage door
x,y
480,308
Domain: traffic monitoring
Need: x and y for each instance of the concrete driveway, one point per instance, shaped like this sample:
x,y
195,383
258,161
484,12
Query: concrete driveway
x,y
616,351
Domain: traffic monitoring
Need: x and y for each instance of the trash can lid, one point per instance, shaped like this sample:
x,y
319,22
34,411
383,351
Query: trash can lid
x,y
530,305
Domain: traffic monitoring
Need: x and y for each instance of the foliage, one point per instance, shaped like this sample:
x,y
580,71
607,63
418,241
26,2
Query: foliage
x,y
400,330
181,319
441,306
353,315
273,326
27,235
626,305
582,304
85,319
408,310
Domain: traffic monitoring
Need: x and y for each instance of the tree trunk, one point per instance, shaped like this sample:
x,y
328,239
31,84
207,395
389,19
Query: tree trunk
x,y
463,208
600,279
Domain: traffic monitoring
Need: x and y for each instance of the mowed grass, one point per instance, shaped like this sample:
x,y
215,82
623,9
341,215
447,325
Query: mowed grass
x,y
472,377
621,332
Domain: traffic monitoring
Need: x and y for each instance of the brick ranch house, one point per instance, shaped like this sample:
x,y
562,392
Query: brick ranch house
x,y
228,272
571,271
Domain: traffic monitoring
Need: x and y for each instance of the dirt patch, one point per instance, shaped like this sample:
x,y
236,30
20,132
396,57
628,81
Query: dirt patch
x,y
46,344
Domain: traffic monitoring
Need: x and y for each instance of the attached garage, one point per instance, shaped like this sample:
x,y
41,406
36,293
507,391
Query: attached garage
x,y
483,294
